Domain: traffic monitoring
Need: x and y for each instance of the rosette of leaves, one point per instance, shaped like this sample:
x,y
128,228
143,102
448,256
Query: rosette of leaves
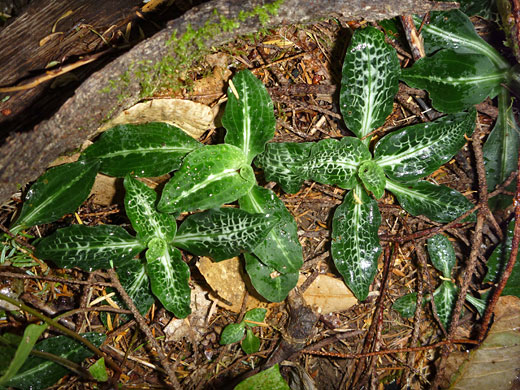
x,y
233,333
398,163
218,233
462,70
442,256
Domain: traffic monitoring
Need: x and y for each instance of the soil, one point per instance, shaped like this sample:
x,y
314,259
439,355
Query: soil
x,y
301,68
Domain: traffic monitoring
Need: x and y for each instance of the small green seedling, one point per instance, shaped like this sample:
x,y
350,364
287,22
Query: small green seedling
x,y
234,333
442,256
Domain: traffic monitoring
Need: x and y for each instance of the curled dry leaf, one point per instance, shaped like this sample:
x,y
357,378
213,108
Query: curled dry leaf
x,y
328,294
193,118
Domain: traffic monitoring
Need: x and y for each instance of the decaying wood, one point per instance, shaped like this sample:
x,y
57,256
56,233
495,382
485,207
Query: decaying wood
x,y
25,154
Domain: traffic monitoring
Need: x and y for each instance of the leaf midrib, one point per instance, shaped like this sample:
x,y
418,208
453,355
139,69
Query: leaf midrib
x,y
207,181
495,76
123,153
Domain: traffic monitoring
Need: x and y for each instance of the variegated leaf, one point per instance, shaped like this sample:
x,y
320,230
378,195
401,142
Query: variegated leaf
x,y
134,279
439,203
232,333
369,83
355,244
454,30
406,305
255,315
59,191
209,177
270,284
455,81
286,163
419,150
281,249
140,206
249,118
89,247
224,233
336,162
501,149
169,276
148,149
373,178
442,254
444,297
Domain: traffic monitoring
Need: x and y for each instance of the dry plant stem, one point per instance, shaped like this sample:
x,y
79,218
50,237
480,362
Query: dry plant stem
x,y
507,271
476,245
389,351
54,323
53,279
414,40
145,328
502,187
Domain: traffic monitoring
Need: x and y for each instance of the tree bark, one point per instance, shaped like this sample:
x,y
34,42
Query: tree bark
x,y
25,154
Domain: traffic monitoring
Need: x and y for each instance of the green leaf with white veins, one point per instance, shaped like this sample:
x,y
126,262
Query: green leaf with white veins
x,y
209,177
169,276
336,162
442,254
59,191
145,150
140,202
224,233
454,30
286,163
444,297
439,203
501,149
373,178
89,247
355,244
134,279
281,249
419,150
369,83
270,284
249,119
455,81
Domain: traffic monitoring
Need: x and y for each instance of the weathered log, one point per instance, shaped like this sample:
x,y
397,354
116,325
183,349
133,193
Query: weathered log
x,y
25,154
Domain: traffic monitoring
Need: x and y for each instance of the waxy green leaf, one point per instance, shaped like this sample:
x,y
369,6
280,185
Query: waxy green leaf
x,y
442,254
89,247
286,163
281,249
417,151
249,119
498,260
169,276
501,149
209,177
455,81
336,162
144,150
140,202
373,178
251,343
439,203
224,233
454,30
38,373
59,191
369,83
134,280
99,371
444,297
269,379
267,282
406,305
232,333
355,244
30,336
255,315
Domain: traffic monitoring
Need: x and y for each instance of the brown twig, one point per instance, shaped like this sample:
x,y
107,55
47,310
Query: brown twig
x,y
507,271
414,39
54,279
145,328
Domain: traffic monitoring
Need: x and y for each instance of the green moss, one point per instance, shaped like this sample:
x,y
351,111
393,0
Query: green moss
x,y
170,72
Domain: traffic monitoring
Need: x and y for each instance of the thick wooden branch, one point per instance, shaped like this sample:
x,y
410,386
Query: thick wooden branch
x,y
25,155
